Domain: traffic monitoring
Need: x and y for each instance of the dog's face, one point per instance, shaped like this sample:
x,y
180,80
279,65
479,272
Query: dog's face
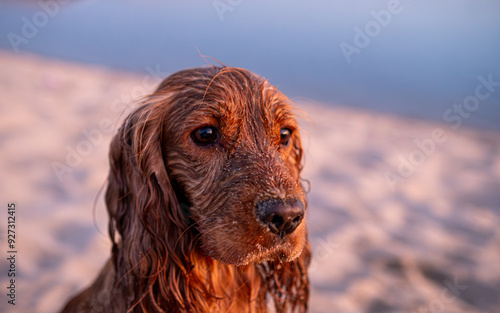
x,y
232,150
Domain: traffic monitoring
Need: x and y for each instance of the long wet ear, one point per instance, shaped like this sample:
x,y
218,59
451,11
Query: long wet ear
x,y
288,284
297,151
142,204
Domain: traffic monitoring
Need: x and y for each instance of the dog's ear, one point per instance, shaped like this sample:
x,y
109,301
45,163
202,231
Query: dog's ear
x,y
287,282
297,152
141,202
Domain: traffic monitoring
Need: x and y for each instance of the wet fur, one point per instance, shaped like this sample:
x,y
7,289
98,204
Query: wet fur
x,y
182,217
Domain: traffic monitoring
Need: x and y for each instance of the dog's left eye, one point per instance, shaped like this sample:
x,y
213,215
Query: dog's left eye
x,y
285,135
204,135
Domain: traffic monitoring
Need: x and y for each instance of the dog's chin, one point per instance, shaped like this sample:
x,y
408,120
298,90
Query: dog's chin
x,y
285,252
276,255
251,258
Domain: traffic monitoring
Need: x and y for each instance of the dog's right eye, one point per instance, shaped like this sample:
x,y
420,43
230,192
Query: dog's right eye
x,y
204,135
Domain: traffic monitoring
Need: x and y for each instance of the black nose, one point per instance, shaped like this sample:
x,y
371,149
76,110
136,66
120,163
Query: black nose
x,y
281,216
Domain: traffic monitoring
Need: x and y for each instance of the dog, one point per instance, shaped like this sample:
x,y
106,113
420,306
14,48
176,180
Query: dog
x,y
205,200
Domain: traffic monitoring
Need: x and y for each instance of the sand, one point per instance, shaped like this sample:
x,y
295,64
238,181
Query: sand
x,y
403,213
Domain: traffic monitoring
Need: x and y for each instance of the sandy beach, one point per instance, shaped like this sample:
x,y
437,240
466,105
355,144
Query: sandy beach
x,y
404,213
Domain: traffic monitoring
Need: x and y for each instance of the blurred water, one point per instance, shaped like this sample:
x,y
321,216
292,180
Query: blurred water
x,y
427,57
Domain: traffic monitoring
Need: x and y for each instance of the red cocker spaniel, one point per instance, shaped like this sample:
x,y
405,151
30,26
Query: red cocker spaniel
x,y
205,201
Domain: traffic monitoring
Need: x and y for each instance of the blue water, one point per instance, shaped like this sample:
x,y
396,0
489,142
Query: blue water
x,y
427,57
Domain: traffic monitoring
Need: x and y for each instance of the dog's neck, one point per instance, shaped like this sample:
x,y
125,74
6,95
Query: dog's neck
x,y
228,285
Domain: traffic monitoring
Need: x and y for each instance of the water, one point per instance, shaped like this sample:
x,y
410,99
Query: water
x,y
417,61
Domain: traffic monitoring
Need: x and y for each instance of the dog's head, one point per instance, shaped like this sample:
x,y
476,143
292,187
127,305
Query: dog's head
x,y
210,161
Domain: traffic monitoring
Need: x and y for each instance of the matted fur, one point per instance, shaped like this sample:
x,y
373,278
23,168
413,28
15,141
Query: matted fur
x,y
183,222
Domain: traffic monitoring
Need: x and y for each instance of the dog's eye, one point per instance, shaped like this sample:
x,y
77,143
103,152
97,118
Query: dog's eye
x,y
204,135
285,135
